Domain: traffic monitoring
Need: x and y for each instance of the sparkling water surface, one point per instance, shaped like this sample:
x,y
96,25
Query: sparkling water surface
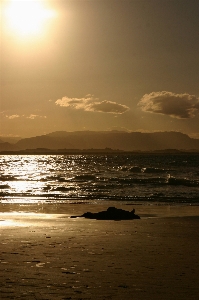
x,y
161,178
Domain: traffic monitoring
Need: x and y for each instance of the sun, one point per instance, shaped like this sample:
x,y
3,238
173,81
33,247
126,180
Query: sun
x,y
27,17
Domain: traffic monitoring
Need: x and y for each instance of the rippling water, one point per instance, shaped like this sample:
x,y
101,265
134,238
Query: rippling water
x,y
60,178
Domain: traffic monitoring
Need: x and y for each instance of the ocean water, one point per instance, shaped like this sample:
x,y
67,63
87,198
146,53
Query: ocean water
x,y
149,178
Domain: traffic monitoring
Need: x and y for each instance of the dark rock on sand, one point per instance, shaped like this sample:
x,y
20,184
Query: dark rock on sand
x,y
111,213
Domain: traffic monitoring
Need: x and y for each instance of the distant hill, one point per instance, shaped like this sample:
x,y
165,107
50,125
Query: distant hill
x,y
11,140
8,147
127,141
8,143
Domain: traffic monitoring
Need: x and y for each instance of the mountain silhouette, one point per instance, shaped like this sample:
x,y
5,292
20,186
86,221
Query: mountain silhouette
x,y
5,146
126,141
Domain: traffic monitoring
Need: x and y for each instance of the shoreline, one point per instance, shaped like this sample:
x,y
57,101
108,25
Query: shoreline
x,y
105,151
144,209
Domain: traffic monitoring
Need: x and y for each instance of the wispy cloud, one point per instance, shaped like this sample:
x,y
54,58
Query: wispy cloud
x,y
119,128
12,116
181,106
31,116
194,135
89,103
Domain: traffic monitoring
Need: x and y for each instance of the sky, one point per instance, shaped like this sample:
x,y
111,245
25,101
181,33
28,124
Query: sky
x,y
130,65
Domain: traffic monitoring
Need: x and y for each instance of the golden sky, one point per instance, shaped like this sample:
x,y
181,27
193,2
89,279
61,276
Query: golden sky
x,y
99,65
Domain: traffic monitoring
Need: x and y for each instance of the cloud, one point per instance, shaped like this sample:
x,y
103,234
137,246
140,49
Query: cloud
x,y
89,103
32,117
181,106
12,117
194,135
108,107
119,128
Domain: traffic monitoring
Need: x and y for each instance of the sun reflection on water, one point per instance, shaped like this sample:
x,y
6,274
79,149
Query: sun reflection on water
x,y
62,178
26,186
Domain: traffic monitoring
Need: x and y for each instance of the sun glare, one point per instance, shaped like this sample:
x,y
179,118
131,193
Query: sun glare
x,y
27,17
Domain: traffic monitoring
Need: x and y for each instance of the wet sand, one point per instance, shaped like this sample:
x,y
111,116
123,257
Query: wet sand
x,y
44,254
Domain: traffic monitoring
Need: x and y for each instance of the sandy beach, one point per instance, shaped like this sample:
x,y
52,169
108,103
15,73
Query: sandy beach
x,y
45,254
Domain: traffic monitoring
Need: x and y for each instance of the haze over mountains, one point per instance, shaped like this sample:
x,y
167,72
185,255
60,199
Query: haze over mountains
x,y
116,140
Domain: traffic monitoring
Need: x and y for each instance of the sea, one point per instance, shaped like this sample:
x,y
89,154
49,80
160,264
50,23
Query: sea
x,y
134,178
